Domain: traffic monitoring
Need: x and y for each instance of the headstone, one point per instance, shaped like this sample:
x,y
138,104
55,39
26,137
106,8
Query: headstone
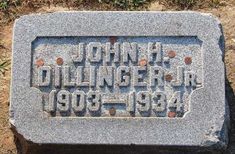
x,y
119,78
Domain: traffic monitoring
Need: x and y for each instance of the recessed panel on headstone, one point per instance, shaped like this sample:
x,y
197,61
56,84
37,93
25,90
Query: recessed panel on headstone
x,y
119,78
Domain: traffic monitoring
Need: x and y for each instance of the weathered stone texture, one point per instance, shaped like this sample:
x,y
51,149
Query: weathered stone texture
x,y
119,78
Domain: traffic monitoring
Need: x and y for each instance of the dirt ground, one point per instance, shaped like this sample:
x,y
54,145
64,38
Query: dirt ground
x,y
226,14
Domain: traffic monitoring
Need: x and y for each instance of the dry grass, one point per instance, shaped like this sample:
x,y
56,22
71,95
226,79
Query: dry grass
x,y
6,137
11,9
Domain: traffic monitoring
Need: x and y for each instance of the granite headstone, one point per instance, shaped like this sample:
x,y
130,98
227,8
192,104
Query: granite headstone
x,y
119,78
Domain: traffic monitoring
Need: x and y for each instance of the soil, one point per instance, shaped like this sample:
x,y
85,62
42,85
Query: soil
x,y
225,13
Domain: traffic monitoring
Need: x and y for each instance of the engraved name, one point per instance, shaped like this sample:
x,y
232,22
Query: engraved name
x,y
108,79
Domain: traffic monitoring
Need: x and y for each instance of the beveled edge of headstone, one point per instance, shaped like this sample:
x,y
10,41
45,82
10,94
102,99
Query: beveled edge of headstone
x,y
204,126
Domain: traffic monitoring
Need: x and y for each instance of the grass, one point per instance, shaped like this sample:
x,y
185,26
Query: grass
x,y
126,4
192,4
10,7
4,66
3,5
216,3
183,4
6,4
